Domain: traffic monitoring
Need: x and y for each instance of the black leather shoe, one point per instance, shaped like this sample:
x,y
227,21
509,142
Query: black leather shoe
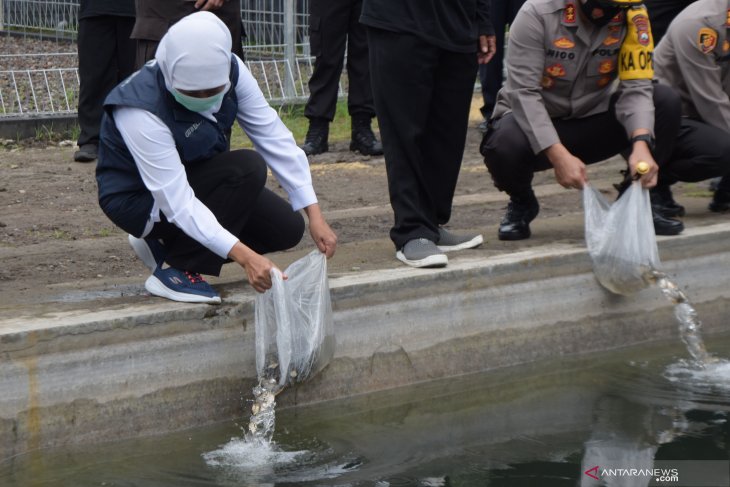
x,y
663,202
86,153
363,138
315,141
666,226
516,222
720,201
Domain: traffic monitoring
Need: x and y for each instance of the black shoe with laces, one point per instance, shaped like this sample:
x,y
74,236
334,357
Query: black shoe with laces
x,y
663,202
363,139
315,141
516,222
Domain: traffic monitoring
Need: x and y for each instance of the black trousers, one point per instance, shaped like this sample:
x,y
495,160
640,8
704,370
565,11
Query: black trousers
x,y
231,185
422,97
491,75
512,163
106,57
661,14
333,27
701,152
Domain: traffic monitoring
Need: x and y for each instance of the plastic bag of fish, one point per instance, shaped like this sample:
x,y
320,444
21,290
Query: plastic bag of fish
x,y
620,239
294,329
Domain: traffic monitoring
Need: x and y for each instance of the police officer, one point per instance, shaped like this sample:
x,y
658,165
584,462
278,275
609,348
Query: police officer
x,y
694,58
561,109
333,27
165,174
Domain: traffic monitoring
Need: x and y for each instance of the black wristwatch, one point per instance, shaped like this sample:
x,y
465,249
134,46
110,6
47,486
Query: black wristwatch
x,y
646,138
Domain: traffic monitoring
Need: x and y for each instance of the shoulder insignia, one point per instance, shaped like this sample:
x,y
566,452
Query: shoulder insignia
x,y
707,39
564,43
641,22
569,13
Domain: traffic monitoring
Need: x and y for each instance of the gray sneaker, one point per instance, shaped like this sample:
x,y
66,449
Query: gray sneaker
x,y
421,252
448,242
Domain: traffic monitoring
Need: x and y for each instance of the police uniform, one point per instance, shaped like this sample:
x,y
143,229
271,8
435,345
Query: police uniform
x,y
561,88
694,58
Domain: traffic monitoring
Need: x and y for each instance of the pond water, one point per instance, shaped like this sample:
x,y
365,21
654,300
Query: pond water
x,y
542,424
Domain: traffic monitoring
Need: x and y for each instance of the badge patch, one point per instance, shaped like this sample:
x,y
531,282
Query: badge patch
x,y
569,14
611,40
617,19
726,45
727,22
707,39
606,67
556,70
547,82
563,43
603,81
641,22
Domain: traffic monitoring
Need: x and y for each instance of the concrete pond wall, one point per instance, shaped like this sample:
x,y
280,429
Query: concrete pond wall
x,y
117,371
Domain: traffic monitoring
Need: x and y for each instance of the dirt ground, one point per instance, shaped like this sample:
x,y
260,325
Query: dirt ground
x,y
54,238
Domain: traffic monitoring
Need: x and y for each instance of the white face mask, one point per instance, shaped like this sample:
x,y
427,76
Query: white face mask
x,y
198,105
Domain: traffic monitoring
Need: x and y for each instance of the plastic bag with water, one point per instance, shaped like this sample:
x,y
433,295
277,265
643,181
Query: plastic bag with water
x,y
620,239
294,329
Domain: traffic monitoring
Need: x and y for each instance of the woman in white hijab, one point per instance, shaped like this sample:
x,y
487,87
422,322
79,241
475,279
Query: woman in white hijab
x,y
166,174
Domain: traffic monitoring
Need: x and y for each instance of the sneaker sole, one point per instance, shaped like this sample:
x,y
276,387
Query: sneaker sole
x,y
475,242
432,261
154,286
143,252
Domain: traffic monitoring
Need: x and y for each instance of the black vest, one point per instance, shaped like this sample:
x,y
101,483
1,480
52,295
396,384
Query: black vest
x,y
122,195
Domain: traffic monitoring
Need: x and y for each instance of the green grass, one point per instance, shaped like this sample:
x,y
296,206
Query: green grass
x,y
293,117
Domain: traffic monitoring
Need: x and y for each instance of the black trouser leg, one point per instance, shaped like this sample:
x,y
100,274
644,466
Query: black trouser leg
x,y
328,24
105,58
512,163
231,185
360,93
701,152
422,97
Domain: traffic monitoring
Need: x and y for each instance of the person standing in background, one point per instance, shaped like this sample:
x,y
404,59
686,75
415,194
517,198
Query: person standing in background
x,y
333,27
491,75
106,57
423,64
154,18
661,14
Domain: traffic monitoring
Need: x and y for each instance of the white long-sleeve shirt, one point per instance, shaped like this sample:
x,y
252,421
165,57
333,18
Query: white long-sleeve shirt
x,y
152,146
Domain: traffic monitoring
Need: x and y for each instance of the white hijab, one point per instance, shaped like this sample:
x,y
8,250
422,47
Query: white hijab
x,y
195,53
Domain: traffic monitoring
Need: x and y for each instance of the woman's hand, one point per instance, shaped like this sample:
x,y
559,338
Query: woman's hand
x,y
258,268
324,237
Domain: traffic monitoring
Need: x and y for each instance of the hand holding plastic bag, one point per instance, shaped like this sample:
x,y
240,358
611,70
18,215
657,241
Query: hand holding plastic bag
x,y
621,239
294,329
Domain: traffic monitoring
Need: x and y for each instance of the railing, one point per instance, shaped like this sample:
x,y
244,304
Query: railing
x,y
276,47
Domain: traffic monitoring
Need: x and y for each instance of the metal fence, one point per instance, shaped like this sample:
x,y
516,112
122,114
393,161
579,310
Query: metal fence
x,y
276,47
